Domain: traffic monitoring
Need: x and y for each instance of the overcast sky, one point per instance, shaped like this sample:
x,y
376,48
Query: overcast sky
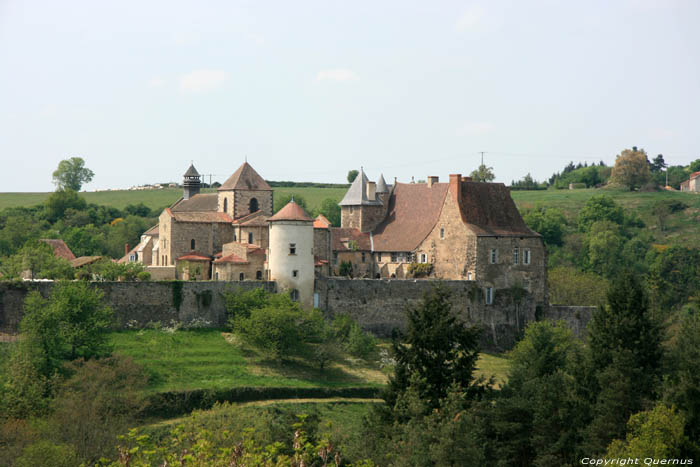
x,y
308,90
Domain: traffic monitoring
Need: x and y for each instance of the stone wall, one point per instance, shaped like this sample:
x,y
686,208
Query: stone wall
x,y
379,306
576,317
138,303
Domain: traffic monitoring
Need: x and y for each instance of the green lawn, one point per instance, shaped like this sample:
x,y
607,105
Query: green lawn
x,y
210,359
158,199
493,365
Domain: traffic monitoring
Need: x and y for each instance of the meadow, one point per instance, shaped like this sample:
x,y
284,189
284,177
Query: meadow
x,y
159,199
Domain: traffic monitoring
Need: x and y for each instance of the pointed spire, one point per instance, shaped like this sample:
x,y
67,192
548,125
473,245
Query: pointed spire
x,y
357,193
381,185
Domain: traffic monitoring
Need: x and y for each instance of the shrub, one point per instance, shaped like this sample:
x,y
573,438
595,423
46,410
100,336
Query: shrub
x,y
420,269
345,269
45,452
359,343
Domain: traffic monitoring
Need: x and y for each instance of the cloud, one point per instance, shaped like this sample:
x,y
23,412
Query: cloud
x,y
476,128
156,82
470,18
198,81
336,74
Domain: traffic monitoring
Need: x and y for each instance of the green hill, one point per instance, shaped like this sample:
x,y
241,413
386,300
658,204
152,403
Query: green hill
x,y
158,199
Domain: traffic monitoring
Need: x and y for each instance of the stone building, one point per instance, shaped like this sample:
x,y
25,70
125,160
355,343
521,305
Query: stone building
x,y
460,230
692,184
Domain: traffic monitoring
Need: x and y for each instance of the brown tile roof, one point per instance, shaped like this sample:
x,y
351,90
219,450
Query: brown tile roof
x,y
203,217
321,222
200,202
694,175
60,249
414,208
84,260
291,212
340,237
488,210
194,256
231,259
153,231
255,250
255,219
245,178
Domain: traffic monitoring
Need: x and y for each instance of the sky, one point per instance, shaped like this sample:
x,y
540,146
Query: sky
x,y
307,90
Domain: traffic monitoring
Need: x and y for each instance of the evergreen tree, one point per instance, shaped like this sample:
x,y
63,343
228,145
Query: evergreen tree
x,y
437,351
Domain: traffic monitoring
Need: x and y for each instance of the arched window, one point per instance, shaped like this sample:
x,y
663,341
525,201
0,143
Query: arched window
x,y
192,244
241,277
253,206
294,295
225,204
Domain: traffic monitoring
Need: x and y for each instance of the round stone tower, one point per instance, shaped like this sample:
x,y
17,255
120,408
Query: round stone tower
x,y
290,257
191,182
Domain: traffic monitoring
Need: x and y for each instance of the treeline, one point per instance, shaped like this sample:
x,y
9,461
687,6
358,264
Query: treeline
x,y
604,241
307,184
88,229
582,175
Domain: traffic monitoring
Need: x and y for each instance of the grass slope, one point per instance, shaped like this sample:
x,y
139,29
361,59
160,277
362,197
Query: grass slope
x,y
210,359
158,199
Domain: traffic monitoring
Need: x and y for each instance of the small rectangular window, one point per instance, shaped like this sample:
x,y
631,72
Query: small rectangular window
x,y
516,254
489,295
379,257
250,237
423,258
295,273
216,276
335,257
493,257
292,248
526,256
442,232
394,257
363,256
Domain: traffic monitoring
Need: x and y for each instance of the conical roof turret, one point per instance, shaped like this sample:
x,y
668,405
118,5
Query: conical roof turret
x,y
191,172
291,212
357,193
381,185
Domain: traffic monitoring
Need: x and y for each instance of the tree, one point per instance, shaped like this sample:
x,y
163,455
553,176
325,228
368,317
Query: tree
x,y
631,169
571,286
331,210
599,208
39,261
352,175
437,351
625,352
548,222
72,323
483,174
71,174
694,166
658,164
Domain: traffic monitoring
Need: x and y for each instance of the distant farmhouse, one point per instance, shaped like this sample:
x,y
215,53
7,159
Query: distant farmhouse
x,y
459,230
692,184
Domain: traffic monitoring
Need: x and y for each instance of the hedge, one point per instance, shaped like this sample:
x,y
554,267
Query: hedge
x,y
176,403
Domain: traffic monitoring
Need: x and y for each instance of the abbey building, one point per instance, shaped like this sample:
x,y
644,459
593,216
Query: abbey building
x,y
453,230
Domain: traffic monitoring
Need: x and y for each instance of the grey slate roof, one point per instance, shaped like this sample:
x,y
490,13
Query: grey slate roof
x,y
381,185
191,172
201,202
357,193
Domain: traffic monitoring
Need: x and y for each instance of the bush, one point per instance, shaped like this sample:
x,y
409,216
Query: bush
x,y
359,343
420,269
345,269
45,452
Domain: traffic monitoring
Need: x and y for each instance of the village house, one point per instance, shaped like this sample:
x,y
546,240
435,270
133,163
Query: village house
x,y
692,184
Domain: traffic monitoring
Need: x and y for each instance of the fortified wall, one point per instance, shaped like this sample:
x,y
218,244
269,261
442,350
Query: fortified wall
x,y
377,304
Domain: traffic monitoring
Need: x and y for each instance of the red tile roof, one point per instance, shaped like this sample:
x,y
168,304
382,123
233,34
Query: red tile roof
x,y
194,256
291,212
414,208
321,222
255,219
694,175
231,259
245,178
85,260
60,249
152,231
488,210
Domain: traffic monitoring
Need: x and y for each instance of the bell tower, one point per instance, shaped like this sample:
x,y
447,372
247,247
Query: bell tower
x,y
191,182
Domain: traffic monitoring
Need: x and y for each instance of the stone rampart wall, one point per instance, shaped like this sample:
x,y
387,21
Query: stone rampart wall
x,y
138,303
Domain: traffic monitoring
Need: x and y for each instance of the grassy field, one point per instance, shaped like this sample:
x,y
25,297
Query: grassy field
x,y
210,359
495,365
159,199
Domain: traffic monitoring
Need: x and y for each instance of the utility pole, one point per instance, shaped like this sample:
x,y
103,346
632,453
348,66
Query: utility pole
x,y
482,157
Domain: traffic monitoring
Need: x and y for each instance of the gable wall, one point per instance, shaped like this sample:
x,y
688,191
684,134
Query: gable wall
x,y
242,201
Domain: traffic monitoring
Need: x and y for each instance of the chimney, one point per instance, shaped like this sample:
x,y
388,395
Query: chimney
x,y
371,191
432,179
466,179
126,249
456,186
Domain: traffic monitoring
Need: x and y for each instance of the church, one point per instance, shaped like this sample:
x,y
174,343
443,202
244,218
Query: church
x,y
454,230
